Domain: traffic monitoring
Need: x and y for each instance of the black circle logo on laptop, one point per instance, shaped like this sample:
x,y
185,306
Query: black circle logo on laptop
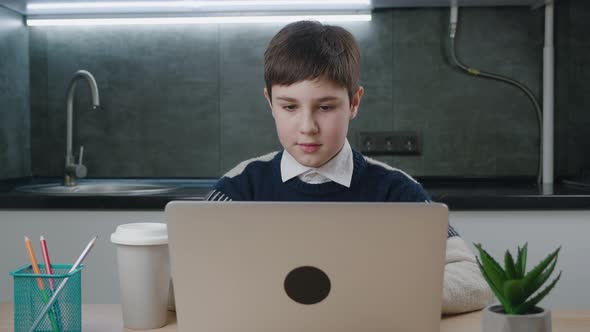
x,y
307,285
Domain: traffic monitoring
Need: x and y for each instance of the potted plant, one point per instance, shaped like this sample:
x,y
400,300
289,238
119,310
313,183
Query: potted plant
x,y
514,288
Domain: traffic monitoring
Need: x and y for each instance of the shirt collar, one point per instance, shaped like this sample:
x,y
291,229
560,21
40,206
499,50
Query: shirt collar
x,y
338,169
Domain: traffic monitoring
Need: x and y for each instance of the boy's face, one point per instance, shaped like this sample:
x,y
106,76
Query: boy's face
x,y
312,118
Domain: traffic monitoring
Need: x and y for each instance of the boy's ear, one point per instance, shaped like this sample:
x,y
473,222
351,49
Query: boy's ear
x,y
267,98
356,101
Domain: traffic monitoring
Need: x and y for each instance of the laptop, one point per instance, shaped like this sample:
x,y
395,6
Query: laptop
x,y
294,266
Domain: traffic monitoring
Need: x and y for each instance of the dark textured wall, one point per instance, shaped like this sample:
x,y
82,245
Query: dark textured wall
x,y
15,157
572,104
187,100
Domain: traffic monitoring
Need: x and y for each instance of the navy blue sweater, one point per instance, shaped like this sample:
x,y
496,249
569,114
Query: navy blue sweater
x,y
259,179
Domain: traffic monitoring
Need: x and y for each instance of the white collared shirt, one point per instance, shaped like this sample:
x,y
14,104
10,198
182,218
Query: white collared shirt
x,y
338,169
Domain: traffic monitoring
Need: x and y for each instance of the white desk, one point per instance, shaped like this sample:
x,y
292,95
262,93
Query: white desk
x,y
107,318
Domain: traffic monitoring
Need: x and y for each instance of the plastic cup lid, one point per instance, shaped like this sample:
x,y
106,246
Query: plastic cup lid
x,y
141,234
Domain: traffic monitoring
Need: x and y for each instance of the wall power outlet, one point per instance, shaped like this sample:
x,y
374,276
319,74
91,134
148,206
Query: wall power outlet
x,y
390,143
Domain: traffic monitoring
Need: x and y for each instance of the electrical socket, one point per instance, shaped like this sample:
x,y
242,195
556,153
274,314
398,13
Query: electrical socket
x,y
390,143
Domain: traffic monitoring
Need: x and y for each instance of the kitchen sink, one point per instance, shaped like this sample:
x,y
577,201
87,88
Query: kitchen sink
x,y
119,188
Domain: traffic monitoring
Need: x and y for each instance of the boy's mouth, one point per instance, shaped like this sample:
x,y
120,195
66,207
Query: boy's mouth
x,y
309,147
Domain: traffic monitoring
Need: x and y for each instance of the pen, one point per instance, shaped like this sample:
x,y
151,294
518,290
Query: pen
x,y
40,284
49,270
63,283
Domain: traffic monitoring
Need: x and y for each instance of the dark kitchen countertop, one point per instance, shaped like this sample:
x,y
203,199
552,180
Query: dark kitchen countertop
x,y
188,189
457,193
508,194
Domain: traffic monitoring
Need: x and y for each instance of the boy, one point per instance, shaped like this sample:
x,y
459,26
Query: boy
x,y
311,73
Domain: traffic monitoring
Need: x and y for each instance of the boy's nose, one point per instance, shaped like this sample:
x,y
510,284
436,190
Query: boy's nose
x,y
308,125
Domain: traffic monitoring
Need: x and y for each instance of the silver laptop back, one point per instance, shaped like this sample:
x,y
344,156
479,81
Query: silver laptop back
x,y
261,266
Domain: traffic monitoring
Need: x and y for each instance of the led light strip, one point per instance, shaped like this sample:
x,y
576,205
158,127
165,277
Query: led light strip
x,y
363,4
194,20
282,2
108,5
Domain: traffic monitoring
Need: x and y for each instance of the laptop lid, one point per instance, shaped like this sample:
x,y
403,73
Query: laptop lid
x,y
292,266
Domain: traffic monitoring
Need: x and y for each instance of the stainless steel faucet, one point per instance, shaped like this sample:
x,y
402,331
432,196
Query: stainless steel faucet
x,y
73,170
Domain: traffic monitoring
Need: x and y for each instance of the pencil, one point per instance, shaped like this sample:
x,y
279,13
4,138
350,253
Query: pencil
x,y
47,261
40,284
49,270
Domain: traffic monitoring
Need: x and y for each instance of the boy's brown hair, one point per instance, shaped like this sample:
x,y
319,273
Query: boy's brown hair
x,y
308,50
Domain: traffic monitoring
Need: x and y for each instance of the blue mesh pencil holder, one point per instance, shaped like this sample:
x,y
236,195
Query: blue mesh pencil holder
x,y
32,291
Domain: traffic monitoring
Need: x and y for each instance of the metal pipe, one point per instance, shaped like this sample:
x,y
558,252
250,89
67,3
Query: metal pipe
x,y
548,96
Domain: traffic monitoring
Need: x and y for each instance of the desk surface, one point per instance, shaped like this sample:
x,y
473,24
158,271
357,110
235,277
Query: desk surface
x,y
107,318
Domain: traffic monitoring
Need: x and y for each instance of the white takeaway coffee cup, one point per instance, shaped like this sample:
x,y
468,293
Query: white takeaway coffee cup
x,y
144,274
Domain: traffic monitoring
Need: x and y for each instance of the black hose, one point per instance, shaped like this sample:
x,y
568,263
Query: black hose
x,y
527,91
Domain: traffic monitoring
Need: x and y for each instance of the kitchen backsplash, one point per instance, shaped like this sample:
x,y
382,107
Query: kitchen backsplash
x,y
186,101
15,146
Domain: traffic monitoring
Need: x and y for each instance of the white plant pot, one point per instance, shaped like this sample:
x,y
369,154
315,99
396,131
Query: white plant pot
x,y
494,319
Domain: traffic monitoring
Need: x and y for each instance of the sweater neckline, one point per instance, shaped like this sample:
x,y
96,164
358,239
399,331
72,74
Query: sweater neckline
x,y
359,165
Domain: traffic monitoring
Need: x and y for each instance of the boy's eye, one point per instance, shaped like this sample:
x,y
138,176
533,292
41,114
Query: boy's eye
x,y
290,108
326,108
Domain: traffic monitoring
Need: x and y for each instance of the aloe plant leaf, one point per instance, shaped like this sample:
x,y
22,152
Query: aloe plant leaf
x,y
510,268
493,270
514,292
519,272
523,308
505,303
523,260
535,284
534,273
517,263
